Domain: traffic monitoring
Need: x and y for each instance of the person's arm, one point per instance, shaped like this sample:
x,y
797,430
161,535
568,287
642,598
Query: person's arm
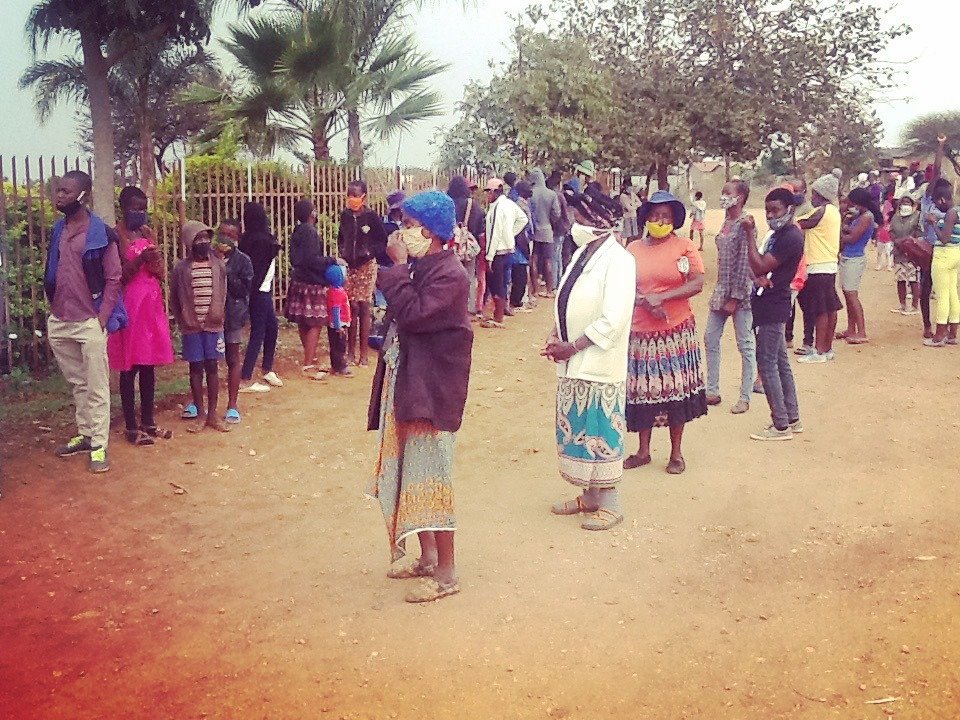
x,y
937,163
129,268
112,273
519,221
946,231
761,264
855,231
808,223
740,289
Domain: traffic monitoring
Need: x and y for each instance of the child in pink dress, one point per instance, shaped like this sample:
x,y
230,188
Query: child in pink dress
x,y
145,342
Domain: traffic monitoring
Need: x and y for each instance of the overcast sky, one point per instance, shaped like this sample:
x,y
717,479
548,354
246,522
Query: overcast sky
x,y
469,40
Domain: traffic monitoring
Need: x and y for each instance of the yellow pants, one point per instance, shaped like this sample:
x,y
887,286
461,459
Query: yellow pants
x,y
945,270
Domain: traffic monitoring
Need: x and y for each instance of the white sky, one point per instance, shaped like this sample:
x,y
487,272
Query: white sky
x,y
470,39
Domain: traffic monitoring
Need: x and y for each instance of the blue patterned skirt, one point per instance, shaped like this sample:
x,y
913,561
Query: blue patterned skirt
x,y
590,430
665,378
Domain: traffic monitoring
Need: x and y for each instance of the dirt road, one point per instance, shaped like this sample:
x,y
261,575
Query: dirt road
x,y
799,580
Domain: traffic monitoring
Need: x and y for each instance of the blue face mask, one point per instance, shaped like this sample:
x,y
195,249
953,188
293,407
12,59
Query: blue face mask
x,y
798,199
135,219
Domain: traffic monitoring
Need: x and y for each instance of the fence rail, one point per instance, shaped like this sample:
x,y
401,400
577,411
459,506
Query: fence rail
x,y
205,189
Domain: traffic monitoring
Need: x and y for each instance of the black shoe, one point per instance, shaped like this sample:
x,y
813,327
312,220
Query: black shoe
x,y
74,446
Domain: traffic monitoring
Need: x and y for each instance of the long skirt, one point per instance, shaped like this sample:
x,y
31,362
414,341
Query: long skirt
x,y
306,304
590,431
665,378
414,473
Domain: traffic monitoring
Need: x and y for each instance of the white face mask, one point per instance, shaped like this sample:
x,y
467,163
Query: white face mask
x,y
906,210
583,234
417,244
728,201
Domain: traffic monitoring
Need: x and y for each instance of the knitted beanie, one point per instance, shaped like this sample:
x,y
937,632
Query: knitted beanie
x,y
827,186
435,211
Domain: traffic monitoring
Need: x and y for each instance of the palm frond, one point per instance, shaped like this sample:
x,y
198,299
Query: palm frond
x,y
54,81
411,110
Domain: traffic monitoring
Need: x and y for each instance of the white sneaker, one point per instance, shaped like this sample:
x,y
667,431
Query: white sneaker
x,y
813,357
770,433
257,387
271,378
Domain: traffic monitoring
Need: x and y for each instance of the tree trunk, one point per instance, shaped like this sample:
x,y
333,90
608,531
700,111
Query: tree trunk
x,y
650,172
321,146
148,165
354,142
95,71
726,167
663,175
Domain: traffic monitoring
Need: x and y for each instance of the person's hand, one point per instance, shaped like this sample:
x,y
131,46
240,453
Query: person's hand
x,y
764,282
730,306
932,219
749,223
560,351
342,332
941,138
397,249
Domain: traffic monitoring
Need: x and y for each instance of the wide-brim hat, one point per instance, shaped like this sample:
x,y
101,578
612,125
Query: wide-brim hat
x,y
587,168
662,197
395,200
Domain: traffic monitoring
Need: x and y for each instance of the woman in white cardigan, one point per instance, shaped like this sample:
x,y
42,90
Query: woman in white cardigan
x,y
589,344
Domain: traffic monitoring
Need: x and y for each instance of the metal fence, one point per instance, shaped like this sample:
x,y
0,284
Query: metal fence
x,y
204,188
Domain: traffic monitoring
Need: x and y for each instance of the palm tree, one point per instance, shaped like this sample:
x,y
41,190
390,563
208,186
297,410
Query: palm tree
x,y
311,73
144,87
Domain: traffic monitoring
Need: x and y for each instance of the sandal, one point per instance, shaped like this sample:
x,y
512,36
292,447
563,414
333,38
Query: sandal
x,y
602,519
489,324
635,461
138,438
155,431
190,412
430,590
232,416
411,570
677,467
571,507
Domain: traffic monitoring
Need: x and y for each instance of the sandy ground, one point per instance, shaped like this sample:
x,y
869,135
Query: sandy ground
x,y
799,580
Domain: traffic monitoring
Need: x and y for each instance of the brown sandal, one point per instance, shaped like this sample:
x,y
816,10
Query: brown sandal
x,y
410,570
677,467
602,519
138,438
430,590
571,507
635,461
156,431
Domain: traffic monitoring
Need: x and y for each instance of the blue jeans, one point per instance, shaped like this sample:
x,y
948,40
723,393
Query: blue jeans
x,y
773,363
746,343
264,329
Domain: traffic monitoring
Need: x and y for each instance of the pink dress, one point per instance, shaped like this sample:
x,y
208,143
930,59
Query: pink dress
x,y
146,339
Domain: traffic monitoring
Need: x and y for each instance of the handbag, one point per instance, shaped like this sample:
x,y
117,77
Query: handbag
x,y
920,253
464,242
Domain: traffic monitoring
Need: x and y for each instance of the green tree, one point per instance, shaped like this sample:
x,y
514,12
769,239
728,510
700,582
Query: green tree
x,y
106,31
921,133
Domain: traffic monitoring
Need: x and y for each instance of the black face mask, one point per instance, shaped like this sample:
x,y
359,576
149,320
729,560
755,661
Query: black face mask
x,y
201,250
135,219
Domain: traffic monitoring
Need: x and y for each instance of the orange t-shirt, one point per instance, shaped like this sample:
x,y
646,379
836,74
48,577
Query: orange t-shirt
x,y
659,268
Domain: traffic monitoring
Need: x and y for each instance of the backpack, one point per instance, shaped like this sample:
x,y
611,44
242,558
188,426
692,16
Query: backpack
x,y
464,242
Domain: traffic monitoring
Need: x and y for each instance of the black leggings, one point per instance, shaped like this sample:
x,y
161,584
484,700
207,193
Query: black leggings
x,y
518,283
147,391
926,287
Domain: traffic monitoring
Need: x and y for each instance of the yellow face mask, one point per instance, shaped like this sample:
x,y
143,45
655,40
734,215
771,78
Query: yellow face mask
x,y
659,230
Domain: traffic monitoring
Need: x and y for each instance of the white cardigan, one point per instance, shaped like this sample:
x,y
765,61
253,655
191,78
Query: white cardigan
x,y
600,307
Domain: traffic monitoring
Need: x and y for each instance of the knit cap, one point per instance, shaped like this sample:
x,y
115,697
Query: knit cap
x,y
827,186
435,211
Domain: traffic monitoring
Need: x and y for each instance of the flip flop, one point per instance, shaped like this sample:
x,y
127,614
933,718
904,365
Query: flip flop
x,y
190,412
232,416
857,341
411,570
602,519
571,507
138,438
489,324
429,590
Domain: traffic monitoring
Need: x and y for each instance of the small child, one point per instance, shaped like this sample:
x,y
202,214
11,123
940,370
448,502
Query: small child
x,y
338,313
237,312
884,249
198,295
697,216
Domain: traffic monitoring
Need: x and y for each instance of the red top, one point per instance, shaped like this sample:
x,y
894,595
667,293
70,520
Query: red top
x,y
337,298
663,266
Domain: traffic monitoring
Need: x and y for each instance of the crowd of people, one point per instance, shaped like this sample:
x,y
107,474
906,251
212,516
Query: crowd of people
x,y
624,337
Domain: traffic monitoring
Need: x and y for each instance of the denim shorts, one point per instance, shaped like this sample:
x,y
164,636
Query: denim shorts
x,y
201,346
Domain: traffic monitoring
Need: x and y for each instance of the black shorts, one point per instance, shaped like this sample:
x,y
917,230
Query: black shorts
x,y
543,251
497,277
819,295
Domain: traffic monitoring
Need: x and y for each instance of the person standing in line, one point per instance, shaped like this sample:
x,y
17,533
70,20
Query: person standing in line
x,y
361,233
259,244
82,283
698,217
664,374
561,229
819,299
904,225
470,216
630,202
144,343
545,212
731,297
505,220
931,215
236,311
198,299
864,219
775,269
306,303
945,267
521,278
802,208
419,393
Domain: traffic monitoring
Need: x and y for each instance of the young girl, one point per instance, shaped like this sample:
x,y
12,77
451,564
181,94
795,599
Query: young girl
x,y
905,224
145,342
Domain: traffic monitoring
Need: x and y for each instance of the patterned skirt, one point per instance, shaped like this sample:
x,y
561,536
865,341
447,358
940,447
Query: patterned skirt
x,y
306,304
414,472
361,282
665,378
590,432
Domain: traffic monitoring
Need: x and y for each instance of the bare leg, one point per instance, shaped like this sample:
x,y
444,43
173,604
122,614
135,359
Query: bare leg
x,y
213,394
902,294
645,436
499,307
309,336
676,439
831,329
196,386
428,549
352,333
446,572
855,317
234,365
534,284
850,298
915,295
363,309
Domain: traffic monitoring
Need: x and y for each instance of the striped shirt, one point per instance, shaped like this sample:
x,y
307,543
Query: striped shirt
x,y
201,281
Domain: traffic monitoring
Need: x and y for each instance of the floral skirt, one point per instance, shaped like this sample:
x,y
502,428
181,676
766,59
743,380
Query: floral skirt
x,y
414,473
665,378
590,432
361,282
306,304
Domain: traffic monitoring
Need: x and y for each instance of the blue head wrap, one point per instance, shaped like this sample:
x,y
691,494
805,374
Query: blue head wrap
x,y
435,211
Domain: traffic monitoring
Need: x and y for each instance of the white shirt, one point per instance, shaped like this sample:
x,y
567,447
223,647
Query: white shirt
x,y
505,220
601,307
267,285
